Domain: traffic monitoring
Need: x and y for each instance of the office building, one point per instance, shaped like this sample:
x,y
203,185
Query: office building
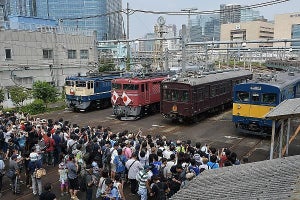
x,y
248,14
287,26
253,30
230,13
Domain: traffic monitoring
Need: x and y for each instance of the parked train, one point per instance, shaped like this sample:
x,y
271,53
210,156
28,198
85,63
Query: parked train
x,y
89,92
286,65
186,97
253,100
137,96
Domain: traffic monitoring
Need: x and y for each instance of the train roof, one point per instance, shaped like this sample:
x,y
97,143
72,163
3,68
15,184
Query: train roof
x,y
139,80
280,80
93,76
208,77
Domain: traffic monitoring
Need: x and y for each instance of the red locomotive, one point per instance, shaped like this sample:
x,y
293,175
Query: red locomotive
x,y
136,97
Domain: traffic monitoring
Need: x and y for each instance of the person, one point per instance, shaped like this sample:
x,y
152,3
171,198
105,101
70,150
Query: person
x,y
63,177
32,167
47,194
133,166
50,145
2,171
212,164
102,186
143,178
111,191
177,180
159,189
15,169
89,182
73,177
119,162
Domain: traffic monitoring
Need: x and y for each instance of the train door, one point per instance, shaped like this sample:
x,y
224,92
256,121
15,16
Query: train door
x,y
297,92
147,92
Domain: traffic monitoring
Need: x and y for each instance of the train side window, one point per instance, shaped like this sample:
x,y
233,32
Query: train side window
x,y
88,85
185,96
143,87
92,84
243,96
255,97
269,98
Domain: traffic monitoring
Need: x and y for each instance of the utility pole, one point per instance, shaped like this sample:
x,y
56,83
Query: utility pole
x,y
183,43
189,10
127,37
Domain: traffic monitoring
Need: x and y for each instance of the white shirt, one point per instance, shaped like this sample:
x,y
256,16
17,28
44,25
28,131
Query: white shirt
x,y
134,169
167,154
113,154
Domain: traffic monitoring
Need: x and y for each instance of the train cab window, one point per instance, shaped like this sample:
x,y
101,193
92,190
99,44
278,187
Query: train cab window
x,y
269,98
88,85
174,95
80,84
69,83
130,87
116,86
255,97
243,96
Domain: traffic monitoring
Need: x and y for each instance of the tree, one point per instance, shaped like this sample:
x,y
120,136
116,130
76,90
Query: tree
x,y
2,97
18,95
44,91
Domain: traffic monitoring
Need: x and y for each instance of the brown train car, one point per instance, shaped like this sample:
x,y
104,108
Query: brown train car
x,y
186,97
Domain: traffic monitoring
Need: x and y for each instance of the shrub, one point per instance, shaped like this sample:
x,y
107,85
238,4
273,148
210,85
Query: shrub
x,y
36,107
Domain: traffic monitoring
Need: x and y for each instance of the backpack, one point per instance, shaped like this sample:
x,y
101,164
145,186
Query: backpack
x,y
83,183
107,155
161,192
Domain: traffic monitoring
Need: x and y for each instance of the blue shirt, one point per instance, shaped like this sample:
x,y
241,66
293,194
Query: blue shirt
x,y
118,161
194,169
157,166
34,165
212,165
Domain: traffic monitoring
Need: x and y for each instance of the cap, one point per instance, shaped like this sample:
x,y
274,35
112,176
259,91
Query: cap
x,y
14,157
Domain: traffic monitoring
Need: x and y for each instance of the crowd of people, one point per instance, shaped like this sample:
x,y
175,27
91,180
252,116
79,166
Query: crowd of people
x,y
100,162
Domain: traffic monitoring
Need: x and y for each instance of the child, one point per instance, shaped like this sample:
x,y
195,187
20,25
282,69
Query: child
x,y
63,177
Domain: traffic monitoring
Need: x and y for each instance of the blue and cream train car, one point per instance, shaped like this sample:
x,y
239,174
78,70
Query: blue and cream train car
x,y
253,100
89,92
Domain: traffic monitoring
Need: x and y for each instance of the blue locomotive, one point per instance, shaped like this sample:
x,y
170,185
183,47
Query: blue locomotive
x,y
92,91
253,100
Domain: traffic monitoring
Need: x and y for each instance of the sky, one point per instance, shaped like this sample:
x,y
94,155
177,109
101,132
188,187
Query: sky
x,y
141,23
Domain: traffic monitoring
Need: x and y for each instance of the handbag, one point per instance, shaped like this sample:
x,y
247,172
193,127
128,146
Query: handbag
x,y
39,173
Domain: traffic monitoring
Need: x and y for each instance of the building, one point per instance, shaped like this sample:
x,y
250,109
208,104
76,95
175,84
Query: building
x,y
103,16
46,53
252,30
287,26
248,14
205,28
230,13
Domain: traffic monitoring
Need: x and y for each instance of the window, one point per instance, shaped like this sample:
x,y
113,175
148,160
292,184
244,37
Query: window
x,y
130,87
8,54
174,95
47,53
143,88
269,98
255,97
80,84
71,54
185,96
69,83
243,96
116,86
84,54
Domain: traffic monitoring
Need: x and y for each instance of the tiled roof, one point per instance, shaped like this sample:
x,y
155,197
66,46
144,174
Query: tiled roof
x,y
287,108
270,179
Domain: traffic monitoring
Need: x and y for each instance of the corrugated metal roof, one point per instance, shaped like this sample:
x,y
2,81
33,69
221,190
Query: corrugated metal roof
x,y
270,179
286,109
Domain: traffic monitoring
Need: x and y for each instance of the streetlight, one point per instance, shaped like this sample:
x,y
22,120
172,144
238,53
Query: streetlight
x,y
189,10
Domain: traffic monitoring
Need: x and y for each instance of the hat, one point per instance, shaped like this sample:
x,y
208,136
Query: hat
x,y
14,157
147,167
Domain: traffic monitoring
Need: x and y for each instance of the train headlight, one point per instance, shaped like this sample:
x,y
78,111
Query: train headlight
x,y
174,108
239,106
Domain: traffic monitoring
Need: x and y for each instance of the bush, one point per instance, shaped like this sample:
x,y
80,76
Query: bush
x,y
36,107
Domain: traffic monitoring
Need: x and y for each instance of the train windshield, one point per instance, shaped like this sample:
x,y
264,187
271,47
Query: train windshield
x,y
116,86
69,83
80,84
243,96
269,98
255,97
176,95
130,87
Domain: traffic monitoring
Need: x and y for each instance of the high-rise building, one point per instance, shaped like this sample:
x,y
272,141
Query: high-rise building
x,y
205,28
248,14
230,13
102,16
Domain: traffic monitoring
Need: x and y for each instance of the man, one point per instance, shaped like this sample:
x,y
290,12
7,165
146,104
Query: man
x,y
177,180
33,165
133,166
15,170
159,189
50,144
72,177
47,194
143,178
2,168
57,149
89,182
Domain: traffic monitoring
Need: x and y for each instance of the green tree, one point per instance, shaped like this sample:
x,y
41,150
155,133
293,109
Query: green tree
x,y
2,95
18,95
44,91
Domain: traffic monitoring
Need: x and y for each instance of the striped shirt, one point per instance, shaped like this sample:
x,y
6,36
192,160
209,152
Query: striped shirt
x,y
142,177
